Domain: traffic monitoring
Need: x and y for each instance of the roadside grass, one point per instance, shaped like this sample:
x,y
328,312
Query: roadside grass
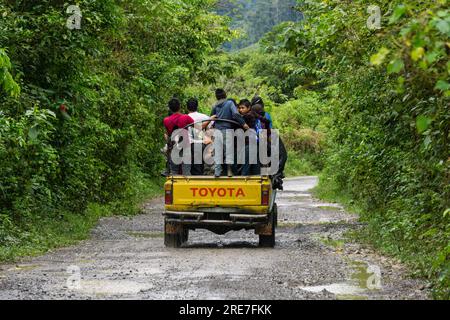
x,y
328,191
68,228
415,254
301,165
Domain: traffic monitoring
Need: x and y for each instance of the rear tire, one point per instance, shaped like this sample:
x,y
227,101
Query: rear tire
x,y
177,239
185,235
269,241
275,214
172,240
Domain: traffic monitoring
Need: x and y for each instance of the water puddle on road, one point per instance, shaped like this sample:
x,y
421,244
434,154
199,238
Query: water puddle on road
x,y
290,224
339,289
295,196
147,235
354,289
298,206
329,206
108,288
24,268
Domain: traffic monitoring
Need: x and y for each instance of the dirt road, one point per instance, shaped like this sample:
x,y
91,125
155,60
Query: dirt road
x,y
126,259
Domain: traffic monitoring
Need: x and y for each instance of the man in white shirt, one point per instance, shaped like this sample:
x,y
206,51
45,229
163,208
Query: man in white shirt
x,y
197,137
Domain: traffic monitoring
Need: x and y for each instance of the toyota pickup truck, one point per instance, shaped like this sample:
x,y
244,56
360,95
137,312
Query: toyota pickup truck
x,y
219,205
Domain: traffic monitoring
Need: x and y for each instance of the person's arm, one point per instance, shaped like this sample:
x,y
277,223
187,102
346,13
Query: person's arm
x,y
166,126
240,119
213,118
207,123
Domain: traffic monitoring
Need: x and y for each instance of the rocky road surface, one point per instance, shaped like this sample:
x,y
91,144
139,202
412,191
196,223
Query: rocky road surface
x,y
125,258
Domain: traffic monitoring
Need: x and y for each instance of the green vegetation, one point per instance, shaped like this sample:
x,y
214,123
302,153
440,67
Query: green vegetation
x,y
387,137
370,109
81,109
43,232
254,18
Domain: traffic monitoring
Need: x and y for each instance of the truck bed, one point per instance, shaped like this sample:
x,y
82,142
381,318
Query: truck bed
x,y
219,205
210,194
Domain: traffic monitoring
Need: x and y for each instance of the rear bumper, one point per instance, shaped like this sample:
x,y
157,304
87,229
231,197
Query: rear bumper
x,y
231,219
250,210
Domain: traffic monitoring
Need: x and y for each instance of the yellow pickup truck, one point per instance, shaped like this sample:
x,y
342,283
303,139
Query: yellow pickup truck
x,y
219,205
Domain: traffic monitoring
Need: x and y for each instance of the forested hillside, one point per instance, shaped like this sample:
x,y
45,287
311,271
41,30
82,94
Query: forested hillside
x,y
253,18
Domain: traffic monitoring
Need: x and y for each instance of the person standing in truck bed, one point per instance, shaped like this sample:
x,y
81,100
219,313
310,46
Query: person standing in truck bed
x,y
172,123
258,103
251,119
225,110
196,134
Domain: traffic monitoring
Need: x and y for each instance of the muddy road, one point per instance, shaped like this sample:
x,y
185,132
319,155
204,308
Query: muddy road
x,y
126,259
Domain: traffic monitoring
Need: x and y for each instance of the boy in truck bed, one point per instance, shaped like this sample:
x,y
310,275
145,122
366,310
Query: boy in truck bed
x,y
251,119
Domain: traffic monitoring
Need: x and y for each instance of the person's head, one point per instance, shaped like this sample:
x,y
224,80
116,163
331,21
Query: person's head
x,y
258,100
192,105
244,106
174,105
221,94
258,108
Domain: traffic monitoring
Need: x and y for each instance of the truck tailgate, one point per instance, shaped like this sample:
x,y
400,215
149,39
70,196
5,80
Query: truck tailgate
x,y
222,192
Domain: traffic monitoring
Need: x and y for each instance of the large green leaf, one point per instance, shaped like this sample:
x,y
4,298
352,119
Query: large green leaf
x,y
378,58
443,26
395,66
423,123
442,85
33,133
399,11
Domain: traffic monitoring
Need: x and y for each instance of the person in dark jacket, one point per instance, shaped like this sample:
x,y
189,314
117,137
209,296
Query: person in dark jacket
x,y
262,122
258,101
266,123
251,119
225,113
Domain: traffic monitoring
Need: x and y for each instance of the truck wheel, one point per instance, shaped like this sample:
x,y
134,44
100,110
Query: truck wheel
x,y
185,235
275,214
269,241
174,240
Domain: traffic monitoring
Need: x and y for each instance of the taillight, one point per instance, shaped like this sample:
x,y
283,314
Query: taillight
x,y
169,194
265,195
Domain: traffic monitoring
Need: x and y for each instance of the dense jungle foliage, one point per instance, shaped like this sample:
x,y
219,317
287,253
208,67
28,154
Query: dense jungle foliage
x,y
386,95
371,107
368,109
81,110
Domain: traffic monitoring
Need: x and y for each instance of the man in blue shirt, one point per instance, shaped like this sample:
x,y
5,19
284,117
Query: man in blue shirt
x,y
225,110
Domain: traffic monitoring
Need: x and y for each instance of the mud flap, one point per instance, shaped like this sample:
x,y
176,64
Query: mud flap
x,y
265,230
268,229
173,228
